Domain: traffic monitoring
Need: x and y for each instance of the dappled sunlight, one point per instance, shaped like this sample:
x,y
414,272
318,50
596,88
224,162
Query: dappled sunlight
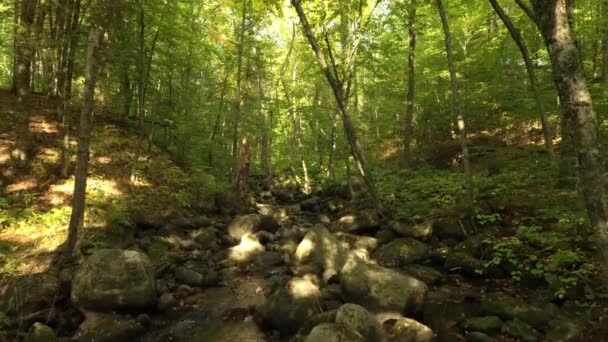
x,y
305,287
246,250
22,186
40,124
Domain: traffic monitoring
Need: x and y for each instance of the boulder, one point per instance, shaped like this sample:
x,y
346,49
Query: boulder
x,y
249,224
319,253
381,288
448,228
207,239
477,336
166,302
356,318
246,251
29,293
361,245
402,252
228,203
409,330
331,332
462,262
360,222
427,274
291,305
196,277
40,333
521,330
501,304
108,328
385,236
414,230
112,279
484,324
311,204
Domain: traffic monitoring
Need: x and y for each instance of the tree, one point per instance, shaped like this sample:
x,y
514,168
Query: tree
x,y
457,110
22,77
408,129
514,32
84,140
551,17
340,91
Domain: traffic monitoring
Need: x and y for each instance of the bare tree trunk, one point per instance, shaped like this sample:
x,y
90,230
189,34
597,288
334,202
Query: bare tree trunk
x,y
457,110
552,19
237,95
409,109
218,116
292,111
514,32
84,139
333,140
337,87
245,163
23,57
605,58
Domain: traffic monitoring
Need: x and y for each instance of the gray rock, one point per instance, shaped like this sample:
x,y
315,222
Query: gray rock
x,y
484,324
401,252
356,318
166,302
29,293
319,253
198,278
427,274
385,236
291,305
361,245
115,279
108,328
448,228
360,222
476,336
501,304
381,288
320,318
311,204
249,224
521,330
462,262
414,230
40,333
330,332
409,330
207,239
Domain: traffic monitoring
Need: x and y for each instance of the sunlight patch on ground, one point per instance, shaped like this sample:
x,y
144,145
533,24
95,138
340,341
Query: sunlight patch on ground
x,y
103,160
24,185
38,124
5,154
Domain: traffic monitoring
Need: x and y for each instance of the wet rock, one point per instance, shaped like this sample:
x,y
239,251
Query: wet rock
x,y
409,330
30,293
476,336
291,305
40,333
249,224
199,277
356,318
483,324
166,302
319,253
414,230
427,274
115,279
401,252
521,330
330,332
207,239
108,328
360,222
381,288
462,262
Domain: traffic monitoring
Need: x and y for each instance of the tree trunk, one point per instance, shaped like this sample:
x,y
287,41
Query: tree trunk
x,y
245,163
457,110
605,58
337,87
409,109
237,95
22,78
84,139
551,17
514,32
218,116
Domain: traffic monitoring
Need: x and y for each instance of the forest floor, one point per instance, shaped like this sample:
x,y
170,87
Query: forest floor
x,y
287,262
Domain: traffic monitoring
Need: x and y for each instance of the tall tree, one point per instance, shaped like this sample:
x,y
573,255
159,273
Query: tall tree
x,y
408,129
340,91
514,32
552,19
23,62
238,101
457,109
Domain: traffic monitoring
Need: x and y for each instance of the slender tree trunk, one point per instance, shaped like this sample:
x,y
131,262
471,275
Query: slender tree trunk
x,y
457,110
237,96
514,32
84,139
409,108
333,141
292,111
551,17
605,58
337,87
218,116
22,78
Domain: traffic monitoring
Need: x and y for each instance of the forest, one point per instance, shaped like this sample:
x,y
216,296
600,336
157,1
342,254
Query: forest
x,y
303,170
